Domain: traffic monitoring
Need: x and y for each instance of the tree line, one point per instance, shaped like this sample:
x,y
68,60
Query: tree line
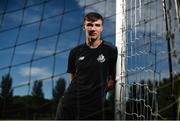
x,y
35,106
145,100
154,100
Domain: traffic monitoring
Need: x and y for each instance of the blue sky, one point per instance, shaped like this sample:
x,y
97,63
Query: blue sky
x,y
56,25
36,40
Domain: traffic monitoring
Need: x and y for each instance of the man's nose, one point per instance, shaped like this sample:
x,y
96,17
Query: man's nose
x,y
92,28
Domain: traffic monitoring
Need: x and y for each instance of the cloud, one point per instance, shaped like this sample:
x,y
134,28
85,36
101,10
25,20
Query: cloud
x,y
34,72
37,73
106,8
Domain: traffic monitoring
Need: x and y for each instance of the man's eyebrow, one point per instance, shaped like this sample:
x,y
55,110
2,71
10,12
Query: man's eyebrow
x,y
97,24
91,24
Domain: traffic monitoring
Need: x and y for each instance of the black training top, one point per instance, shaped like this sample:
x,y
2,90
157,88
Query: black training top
x,y
91,68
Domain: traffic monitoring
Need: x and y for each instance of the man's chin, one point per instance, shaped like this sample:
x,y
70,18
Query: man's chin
x,y
92,37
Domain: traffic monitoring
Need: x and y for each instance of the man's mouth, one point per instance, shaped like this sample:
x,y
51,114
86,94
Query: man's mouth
x,y
92,34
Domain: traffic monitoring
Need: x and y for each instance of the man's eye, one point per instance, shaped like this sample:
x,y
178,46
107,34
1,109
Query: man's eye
x,y
89,25
98,25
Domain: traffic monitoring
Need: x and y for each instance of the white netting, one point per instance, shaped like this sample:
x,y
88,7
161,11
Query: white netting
x,y
149,25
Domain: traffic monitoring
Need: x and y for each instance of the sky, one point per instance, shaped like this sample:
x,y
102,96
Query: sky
x,y
29,37
37,35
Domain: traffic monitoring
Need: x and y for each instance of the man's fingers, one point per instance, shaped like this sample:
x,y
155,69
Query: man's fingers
x,y
111,84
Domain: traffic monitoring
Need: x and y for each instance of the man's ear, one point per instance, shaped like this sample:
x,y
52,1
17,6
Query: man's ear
x,y
102,29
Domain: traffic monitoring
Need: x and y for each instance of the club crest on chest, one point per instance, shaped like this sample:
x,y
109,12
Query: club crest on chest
x,y
101,58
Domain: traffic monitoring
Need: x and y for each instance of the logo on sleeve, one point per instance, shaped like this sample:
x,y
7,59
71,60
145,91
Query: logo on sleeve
x,y
81,58
101,58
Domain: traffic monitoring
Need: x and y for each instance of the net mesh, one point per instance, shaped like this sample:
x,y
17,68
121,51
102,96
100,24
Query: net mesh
x,y
147,59
36,37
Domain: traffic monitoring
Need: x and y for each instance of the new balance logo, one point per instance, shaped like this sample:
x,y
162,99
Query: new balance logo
x,y
81,58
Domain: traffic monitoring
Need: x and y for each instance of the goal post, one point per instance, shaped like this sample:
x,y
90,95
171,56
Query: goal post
x,y
177,6
120,66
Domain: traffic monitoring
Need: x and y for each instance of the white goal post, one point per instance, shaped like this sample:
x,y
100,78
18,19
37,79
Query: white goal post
x,y
120,68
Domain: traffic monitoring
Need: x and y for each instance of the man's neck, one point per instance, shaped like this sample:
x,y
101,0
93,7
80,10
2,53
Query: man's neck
x,y
94,43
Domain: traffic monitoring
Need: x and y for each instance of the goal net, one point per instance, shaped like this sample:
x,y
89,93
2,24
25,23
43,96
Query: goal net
x,y
148,63
37,35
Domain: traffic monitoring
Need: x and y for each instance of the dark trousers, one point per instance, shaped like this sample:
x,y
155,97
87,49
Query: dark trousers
x,y
66,111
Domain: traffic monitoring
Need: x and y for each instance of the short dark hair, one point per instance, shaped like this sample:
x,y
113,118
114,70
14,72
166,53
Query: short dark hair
x,y
93,16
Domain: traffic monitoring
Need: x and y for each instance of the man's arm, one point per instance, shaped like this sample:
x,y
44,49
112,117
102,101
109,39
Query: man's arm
x,y
112,75
71,64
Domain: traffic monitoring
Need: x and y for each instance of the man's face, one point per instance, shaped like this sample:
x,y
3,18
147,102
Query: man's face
x,y
93,29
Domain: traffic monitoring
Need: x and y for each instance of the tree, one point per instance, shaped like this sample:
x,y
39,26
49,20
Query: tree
x,y
37,89
38,98
58,92
6,86
166,100
59,89
139,97
6,94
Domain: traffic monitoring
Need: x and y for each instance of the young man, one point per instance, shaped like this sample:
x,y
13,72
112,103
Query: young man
x,y
91,67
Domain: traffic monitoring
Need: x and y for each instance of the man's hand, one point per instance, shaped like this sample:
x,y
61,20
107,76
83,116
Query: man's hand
x,y
110,84
71,76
